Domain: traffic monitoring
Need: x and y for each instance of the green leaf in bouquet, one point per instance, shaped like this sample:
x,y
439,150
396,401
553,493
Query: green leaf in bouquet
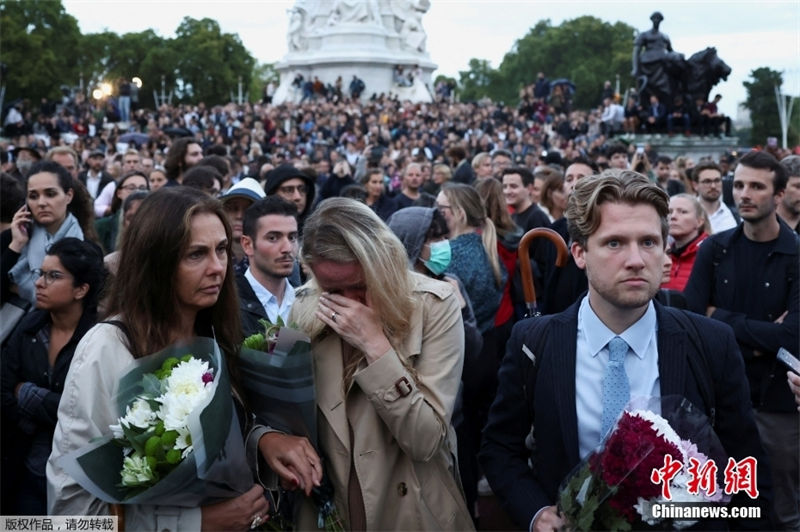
x,y
136,437
160,429
609,519
187,357
151,385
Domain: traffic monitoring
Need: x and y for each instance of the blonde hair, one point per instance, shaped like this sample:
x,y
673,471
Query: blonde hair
x,y
700,212
343,230
467,206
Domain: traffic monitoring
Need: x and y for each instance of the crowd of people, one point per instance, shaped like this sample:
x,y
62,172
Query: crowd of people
x,y
389,232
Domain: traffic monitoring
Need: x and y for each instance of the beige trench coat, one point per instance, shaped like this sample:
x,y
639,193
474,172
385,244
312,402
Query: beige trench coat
x,y
403,446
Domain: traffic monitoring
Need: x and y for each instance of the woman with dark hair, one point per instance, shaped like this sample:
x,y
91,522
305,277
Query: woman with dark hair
x,y
552,196
175,281
109,227
35,363
57,207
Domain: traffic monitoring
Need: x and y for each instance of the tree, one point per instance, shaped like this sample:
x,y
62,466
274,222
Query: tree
x,y
263,73
476,83
764,108
210,62
585,50
37,40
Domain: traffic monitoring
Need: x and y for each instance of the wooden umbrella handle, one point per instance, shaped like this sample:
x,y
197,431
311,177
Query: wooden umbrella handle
x,y
525,263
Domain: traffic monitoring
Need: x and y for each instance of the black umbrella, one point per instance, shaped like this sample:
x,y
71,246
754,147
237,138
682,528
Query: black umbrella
x,y
567,84
134,138
177,132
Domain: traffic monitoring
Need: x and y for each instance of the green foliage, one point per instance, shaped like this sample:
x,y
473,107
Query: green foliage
x,y
37,39
210,62
263,73
43,48
763,107
476,83
585,50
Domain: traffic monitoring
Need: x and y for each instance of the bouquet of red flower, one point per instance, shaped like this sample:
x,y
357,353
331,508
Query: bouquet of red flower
x,y
641,463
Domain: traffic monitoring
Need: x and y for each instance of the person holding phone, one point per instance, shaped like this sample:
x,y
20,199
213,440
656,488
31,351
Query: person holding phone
x,y
57,207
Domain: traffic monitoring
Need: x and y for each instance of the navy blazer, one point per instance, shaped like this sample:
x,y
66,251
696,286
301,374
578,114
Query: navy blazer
x,y
523,490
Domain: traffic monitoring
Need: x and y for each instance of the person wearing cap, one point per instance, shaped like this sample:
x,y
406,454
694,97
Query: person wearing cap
x,y
238,198
292,185
95,177
270,242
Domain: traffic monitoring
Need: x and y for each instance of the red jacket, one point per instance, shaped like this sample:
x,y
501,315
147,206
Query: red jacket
x,y
682,264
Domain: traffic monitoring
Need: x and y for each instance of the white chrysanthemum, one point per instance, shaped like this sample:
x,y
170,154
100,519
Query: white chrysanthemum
x,y
185,391
184,441
661,426
187,377
136,471
139,414
116,431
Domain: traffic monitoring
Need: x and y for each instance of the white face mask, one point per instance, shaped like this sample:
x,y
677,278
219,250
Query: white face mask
x,y
24,166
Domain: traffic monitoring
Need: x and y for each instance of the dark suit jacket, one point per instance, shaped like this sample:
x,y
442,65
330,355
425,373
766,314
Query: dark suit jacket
x,y
504,457
250,308
105,178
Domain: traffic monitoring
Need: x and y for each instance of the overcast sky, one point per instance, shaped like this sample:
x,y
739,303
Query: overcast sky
x,y
747,35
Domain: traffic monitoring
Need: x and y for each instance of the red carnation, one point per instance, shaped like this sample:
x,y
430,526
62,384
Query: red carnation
x,y
630,454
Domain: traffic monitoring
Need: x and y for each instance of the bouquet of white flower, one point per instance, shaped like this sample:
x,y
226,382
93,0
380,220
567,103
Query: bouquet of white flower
x,y
177,440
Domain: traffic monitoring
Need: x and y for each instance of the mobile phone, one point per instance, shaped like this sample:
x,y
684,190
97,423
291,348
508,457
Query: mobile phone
x,y
28,225
790,360
640,148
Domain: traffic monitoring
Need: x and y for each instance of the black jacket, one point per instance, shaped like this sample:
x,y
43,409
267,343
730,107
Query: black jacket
x,y
250,308
750,302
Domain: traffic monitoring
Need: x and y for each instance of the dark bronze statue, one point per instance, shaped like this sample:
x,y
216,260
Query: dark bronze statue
x,y
660,71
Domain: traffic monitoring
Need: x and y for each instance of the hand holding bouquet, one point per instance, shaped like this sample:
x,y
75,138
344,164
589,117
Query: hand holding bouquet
x,y
615,487
177,440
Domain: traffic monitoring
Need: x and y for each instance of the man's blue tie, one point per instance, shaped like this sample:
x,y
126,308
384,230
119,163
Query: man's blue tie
x,y
616,388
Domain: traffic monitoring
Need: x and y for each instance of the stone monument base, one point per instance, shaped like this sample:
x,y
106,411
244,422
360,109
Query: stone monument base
x,y
367,51
694,147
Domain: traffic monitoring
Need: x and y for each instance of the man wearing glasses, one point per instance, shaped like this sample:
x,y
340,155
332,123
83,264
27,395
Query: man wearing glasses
x,y
707,181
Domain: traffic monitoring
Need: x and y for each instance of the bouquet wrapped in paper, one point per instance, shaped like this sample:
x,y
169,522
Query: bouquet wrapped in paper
x,y
277,371
660,450
177,440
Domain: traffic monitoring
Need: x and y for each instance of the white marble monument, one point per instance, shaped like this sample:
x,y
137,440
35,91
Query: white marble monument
x,y
371,39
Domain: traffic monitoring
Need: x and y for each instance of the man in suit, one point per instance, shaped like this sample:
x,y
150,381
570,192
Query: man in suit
x,y
95,177
618,227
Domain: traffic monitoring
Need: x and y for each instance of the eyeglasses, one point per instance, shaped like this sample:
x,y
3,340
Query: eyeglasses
x,y
716,181
134,188
442,207
49,276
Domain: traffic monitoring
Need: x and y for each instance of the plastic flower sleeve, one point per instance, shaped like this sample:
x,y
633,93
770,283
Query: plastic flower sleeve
x,y
279,385
613,487
216,469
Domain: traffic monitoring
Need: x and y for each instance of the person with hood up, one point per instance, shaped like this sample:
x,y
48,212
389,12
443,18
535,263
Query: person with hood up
x,y
292,185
